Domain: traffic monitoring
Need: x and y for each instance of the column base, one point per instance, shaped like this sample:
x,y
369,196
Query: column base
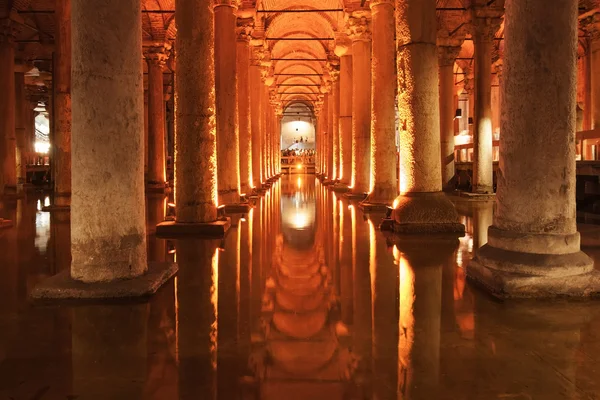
x,y
483,189
237,208
329,182
63,287
258,191
5,223
157,187
425,213
355,195
474,196
369,207
174,229
509,274
56,208
340,187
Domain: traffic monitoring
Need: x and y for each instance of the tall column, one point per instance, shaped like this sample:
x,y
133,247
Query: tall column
x,y
421,207
108,227
62,106
318,138
156,57
484,29
20,126
447,57
587,85
346,118
330,134
360,34
228,145
264,130
243,106
325,135
195,130
8,151
593,27
334,72
383,188
256,112
533,247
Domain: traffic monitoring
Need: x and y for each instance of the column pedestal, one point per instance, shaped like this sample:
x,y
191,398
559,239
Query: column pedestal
x,y
533,247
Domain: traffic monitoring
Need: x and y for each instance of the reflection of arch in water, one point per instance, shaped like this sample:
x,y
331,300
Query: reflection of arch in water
x,y
298,211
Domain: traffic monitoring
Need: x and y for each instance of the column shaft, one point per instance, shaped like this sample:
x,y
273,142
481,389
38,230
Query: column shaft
x,y
244,117
483,181
195,132
330,135
383,186
108,230
346,118
361,113
255,108
156,120
8,180
587,88
20,127
595,80
228,159
335,87
62,105
325,135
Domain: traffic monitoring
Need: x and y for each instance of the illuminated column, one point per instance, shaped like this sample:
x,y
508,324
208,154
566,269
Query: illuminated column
x,y
346,117
330,134
533,245
243,106
255,120
278,140
383,188
146,130
358,30
156,57
318,139
108,226
195,133
334,72
421,207
325,135
484,29
447,57
20,126
264,130
587,84
62,106
8,151
228,146
591,24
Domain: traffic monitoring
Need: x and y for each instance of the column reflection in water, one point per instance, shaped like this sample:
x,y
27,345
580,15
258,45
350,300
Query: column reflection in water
x,y
421,261
197,315
301,356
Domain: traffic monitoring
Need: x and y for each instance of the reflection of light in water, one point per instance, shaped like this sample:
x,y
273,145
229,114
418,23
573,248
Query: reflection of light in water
x,y
47,201
42,229
407,319
299,183
214,301
39,205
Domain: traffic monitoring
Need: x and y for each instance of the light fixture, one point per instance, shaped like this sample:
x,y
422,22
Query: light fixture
x,y
458,113
41,107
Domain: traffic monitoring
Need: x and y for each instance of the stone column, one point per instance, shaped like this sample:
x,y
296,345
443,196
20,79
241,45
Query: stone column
x,y
256,112
330,134
108,227
8,151
156,57
533,247
334,72
146,128
358,30
195,131
228,146
421,207
325,135
264,131
383,187
484,29
447,57
593,28
62,106
587,85
20,126
243,106
346,118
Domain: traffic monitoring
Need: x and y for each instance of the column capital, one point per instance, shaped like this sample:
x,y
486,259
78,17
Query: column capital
x,y
485,22
266,74
590,24
243,30
374,3
157,53
343,44
447,55
358,25
333,67
227,3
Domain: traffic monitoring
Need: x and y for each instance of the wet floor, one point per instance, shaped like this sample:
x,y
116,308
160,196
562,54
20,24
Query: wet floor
x,y
304,299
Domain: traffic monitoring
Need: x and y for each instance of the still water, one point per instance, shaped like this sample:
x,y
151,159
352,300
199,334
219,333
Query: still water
x,y
304,299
